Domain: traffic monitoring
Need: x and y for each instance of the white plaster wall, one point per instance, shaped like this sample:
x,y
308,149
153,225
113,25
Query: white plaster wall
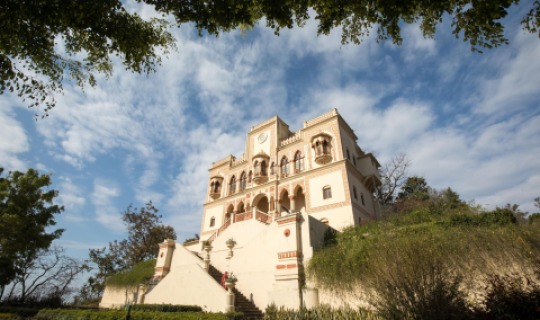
x,y
255,258
117,298
265,146
316,184
216,212
189,284
338,218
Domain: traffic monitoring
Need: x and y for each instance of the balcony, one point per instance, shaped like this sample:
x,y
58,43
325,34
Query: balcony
x,y
260,177
323,158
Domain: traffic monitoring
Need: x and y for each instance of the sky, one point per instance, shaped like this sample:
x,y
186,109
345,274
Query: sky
x,y
465,120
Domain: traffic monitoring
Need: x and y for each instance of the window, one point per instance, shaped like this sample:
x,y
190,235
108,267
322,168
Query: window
x,y
263,168
256,168
243,181
284,167
327,192
298,162
348,154
250,176
215,187
273,168
362,198
354,160
212,222
354,193
232,185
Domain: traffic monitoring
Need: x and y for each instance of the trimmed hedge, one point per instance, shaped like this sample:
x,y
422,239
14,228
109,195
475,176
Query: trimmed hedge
x,y
321,312
22,312
63,314
165,308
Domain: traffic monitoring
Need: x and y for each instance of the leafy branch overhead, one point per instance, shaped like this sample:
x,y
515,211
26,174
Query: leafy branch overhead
x,y
44,41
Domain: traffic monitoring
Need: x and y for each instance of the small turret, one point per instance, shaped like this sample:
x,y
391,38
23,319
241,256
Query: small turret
x,y
163,263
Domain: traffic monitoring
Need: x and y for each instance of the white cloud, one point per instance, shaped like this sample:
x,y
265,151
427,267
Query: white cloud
x,y
103,197
514,86
72,198
13,140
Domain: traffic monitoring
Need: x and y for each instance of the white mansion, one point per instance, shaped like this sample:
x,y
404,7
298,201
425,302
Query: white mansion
x,y
275,201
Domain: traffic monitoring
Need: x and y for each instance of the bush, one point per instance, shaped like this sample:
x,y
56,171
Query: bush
x,y
22,312
321,312
512,297
165,308
140,273
63,314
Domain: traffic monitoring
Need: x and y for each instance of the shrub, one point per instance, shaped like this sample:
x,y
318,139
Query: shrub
x,y
512,297
140,273
22,312
64,314
165,308
321,312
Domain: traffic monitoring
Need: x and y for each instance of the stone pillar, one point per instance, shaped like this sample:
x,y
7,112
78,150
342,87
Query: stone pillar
x,y
287,290
230,296
293,203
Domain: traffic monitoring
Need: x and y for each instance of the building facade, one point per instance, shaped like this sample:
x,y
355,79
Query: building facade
x,y
318,170
275,202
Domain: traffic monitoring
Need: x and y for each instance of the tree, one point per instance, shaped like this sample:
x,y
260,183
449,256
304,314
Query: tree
x,y
46,277
393,175
414,188
27,222
47,37
145,232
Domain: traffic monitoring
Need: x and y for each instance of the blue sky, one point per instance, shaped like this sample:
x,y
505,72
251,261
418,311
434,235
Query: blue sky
x,y
465,120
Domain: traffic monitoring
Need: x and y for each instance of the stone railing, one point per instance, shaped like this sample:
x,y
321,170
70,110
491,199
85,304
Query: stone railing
x,y
224,226
321,118
263,217
295,137
236,162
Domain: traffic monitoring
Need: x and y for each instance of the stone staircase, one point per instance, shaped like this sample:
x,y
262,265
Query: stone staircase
x,y
241,303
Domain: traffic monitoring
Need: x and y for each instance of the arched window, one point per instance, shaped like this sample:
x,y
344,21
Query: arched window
x,y
215,187
273,168
327,192
250,177
362,198
284,167
232,185
354,193
325,148
348,154
263,168
256,168
298,162
243,181
212,221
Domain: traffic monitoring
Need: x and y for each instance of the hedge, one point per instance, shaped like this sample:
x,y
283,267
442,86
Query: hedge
x,y
22,312
63,314
165,308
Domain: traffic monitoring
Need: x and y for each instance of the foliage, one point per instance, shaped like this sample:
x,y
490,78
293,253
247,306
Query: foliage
x,y
321,312
44,280
64,314
27,222
138,274
512,297
22,312
414,188
165,308
145,232
195,238
415,264
43,41
393,175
